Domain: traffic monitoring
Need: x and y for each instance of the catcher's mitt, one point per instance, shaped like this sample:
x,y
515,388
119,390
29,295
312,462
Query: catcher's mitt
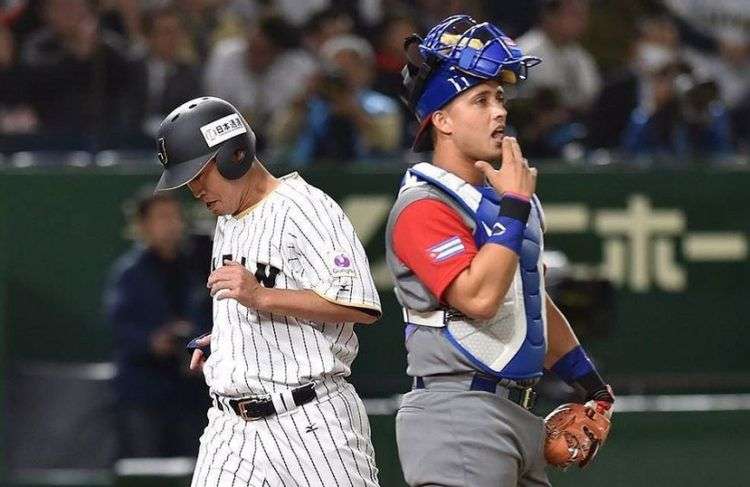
x,y
574,433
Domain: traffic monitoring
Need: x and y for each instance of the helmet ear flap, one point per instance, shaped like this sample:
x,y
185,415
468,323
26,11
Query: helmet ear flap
x,y
226,161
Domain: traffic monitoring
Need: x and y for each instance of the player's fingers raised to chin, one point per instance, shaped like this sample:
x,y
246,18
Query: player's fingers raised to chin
x,y
508,150
516,149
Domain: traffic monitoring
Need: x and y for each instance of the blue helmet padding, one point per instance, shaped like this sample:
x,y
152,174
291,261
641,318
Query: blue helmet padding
x,y
446,84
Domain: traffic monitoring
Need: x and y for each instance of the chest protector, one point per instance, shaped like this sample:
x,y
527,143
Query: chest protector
x,y
512,344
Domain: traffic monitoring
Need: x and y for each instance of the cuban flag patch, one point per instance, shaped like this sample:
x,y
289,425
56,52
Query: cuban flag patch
x,y
446,249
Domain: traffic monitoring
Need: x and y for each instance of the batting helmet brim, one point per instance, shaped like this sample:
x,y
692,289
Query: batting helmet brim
x,y
181,174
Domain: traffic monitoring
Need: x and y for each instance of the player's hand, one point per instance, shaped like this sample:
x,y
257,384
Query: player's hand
x,y
234,281
515,175
199,358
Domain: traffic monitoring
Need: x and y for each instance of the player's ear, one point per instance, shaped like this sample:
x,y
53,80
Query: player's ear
x,y
442,122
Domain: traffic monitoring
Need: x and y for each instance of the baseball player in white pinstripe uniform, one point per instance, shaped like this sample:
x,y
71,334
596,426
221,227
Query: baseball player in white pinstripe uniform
x,y
289,280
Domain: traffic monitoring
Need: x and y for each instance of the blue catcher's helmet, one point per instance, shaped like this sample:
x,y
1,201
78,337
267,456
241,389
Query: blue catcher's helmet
x,y
456,54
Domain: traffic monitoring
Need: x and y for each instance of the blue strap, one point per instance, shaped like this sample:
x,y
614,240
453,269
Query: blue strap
x,y
573,365
508,232
482,383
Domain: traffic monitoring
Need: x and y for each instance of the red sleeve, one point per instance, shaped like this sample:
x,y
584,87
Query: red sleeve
x,y
434,242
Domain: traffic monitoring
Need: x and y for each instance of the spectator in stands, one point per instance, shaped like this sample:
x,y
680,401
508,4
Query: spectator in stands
x,y
567,68
343,118
547,130
298,13
433,11
200,19
124,17
325,25
152,303
168,78
15,116
656,43
683,119
260,73
76,76
659,107
664,67
389,52
390,60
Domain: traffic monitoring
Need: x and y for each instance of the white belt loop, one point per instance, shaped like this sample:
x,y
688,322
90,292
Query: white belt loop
x,y
283,401
434,319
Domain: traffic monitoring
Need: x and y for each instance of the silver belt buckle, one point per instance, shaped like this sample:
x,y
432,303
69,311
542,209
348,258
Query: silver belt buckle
x,y
243,413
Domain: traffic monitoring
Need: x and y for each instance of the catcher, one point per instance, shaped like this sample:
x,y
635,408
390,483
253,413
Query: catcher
x,y
464,243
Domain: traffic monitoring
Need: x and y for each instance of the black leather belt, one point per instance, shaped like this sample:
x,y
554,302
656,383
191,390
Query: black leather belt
x,y
255,408
523,396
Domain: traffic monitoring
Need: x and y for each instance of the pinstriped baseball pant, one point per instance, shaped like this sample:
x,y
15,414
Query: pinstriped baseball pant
x,y
325,442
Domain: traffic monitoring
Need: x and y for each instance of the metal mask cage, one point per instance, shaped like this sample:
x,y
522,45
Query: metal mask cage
x,y
433,40
477,61
469,49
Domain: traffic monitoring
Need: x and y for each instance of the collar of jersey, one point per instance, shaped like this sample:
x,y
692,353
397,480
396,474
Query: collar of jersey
x,y
249,210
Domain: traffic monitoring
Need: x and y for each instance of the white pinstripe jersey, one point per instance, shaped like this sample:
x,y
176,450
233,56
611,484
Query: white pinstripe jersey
x,y
297,237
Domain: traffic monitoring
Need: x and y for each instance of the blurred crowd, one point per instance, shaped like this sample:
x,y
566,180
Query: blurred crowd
x,y
319,80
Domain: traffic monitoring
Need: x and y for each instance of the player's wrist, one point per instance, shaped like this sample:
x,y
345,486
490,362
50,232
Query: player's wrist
x,y
260,299
508,232
577,370
517,195
516,206
510,223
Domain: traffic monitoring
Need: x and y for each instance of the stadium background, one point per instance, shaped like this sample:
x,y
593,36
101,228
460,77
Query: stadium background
x,y
666,235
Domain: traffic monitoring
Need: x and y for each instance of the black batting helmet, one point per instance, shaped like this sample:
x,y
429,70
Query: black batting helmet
x,y
198,131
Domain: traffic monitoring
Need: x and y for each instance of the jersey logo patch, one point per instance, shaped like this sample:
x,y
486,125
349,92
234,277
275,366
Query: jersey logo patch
x,y
446,249
497,229
341,264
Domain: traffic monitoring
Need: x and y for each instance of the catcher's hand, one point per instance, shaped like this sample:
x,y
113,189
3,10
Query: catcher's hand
x,y
575,432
